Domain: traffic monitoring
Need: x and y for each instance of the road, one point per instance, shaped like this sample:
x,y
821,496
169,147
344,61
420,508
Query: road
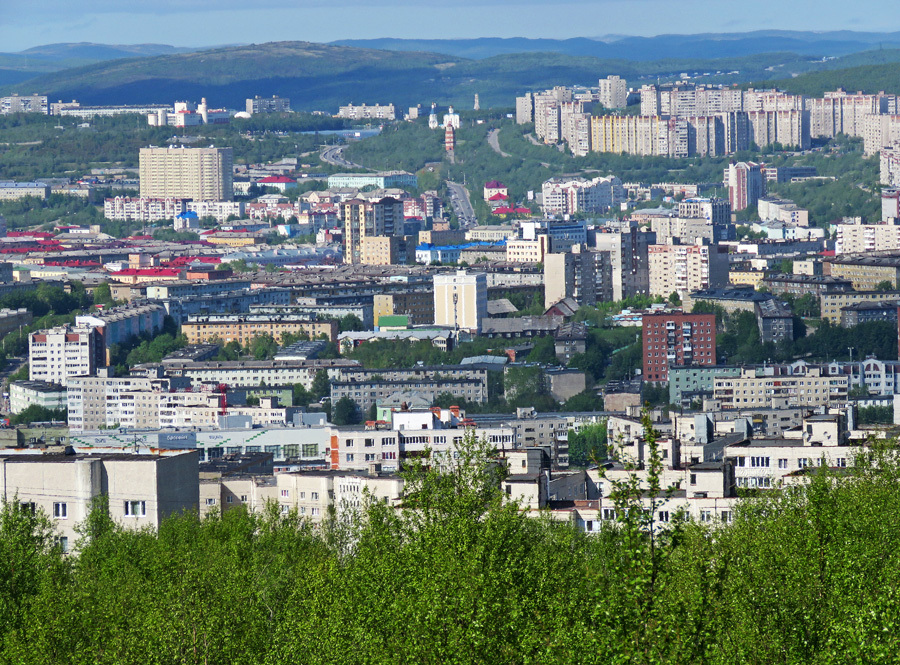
x,y
494,142
334,155
462,206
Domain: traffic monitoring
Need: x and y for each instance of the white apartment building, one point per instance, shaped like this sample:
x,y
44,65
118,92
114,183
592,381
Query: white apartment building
x,y
528,251
686,268
890,165
23,104
764,388
568,196
57,354
460,300
613,92
363,112
23,394
10,191
142,489
863,238
143,209
199,174
250,373
103,401
880,131
220,210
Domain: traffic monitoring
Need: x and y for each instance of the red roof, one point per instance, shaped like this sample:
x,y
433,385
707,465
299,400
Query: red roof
x,y
274,179
498,197
494,184
29,234
505,210
150,272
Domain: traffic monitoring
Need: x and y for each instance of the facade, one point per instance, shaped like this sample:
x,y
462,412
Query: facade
x,y
11,319
867,272
460,300
200,174
687,383
582,274
23,104
383,180
382,250
366,219
713,210
143,489
775,321
833,303
866,312
613,92
143,209
57,354
628,251
247,373
677,339
23,394
366,393
562,196
10,191
120,324
273,104
859,238
243,328
745,183
376,112
684,269
771,386
781,210
417,306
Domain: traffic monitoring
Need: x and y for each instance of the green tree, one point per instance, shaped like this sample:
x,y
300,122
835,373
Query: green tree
x,y
587,446
345,412
321,385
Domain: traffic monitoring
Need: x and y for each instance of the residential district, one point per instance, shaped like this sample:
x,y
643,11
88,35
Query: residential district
x,y
317,340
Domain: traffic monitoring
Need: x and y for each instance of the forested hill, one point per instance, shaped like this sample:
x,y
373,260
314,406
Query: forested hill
x,y
323,77
868,78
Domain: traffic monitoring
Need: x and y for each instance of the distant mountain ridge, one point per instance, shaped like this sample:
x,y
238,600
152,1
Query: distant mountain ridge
x,y
643,49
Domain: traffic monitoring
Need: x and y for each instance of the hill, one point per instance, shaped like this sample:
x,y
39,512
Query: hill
x,y
867,78
645,49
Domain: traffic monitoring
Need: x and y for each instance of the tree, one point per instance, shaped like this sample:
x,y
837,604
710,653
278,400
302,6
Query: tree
x,y
885,285
38,414
321,385
587,446
263,347
674,299
345,412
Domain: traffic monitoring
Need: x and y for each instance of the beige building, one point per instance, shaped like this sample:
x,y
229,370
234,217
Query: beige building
x,y
865,238
365,219
382,250
200,174
417,305
686,268
460,300
880,131
494,233
142,489
57,354
867,272
761,388
831,303
243,328
528,251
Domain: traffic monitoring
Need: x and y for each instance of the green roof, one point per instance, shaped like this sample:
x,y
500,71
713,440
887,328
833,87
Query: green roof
x,y
393,321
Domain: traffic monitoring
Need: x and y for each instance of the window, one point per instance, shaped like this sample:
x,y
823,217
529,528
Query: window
x,y
135,508
663,515
706,516
285,494
28,507
725,516
285,509
759,462
63,543
60,511
782,464
801,462
315,512
740,461
349,457
314,496
229,499
693,479
609,513
210,502
841,462
302,495
243,498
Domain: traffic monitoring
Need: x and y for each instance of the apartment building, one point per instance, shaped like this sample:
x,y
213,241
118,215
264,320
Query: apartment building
x,y
23,394
120,324
745,183
686,268
859,238
273,104
460,300
567,196
367,393
889,162
677,339
366,219
418,306
382,250
10,191
143,209
57,354
867,272
142,489
528,251
242,328
781,210
200,174
628,250
764,387
23,104
581,274
713,210
880,131
364,112
833,303
104,401
613,92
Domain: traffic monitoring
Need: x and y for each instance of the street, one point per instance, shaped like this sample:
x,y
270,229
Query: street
x,y
462,206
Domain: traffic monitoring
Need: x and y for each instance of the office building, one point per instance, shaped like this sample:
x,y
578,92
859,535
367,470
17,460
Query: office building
x,y
200,174
460,300
382,180
677,339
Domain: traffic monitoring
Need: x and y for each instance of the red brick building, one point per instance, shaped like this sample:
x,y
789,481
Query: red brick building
x,y
677,339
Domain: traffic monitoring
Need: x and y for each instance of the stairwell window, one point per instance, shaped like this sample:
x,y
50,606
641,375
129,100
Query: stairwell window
x,y
60,511
135,508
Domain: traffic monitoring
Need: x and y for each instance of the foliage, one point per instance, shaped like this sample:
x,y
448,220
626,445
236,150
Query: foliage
x,y
876,415
588,446
584,401
345,412
544,351
38,414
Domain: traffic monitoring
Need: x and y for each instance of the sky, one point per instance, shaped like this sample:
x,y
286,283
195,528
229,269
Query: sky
x,y
217,22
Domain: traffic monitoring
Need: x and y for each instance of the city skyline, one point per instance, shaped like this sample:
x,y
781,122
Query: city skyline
x,y
202,23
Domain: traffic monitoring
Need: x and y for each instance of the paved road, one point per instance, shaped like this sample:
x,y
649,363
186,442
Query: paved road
x,y
334,155
462,206
494,142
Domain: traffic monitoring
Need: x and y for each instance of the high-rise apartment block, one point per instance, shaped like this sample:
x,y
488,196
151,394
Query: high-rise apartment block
x,y
200,174
581,274
273,104
890,165
369,218
567,196
613,92
672,339
746,184
23,104
628,256
713,210
57,354
686,268
460,300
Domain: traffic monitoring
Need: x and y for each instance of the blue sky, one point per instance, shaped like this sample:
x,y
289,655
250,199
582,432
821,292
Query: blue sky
x,y
214,22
